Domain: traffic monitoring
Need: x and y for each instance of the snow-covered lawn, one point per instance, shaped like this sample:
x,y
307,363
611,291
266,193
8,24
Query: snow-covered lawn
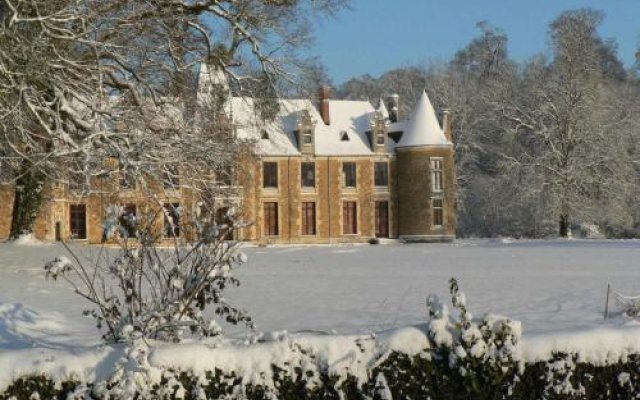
x,y
556,288
548,285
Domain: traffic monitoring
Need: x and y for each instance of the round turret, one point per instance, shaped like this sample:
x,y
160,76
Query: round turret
x,y
426,178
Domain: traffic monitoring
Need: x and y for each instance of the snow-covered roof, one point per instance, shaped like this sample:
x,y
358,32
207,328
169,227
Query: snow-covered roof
x,y
350,117
382,109
423,128
281,140
346,135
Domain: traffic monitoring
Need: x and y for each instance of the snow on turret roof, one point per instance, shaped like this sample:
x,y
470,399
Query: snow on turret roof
x,y
382,109
423,127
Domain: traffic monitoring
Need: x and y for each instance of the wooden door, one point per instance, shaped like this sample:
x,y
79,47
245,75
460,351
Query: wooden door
x,y
78,221
382,219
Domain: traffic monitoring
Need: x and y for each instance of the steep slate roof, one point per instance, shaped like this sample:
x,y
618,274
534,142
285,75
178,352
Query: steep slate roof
x,y
423,127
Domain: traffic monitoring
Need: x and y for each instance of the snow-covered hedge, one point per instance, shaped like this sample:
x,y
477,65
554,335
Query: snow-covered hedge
x,y
452,356
399,377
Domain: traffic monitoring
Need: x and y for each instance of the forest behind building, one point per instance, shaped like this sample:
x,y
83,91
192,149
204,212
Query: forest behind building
x,y
545,146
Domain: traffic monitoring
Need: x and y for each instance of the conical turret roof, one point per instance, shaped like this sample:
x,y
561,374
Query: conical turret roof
x,y
382,109
423,128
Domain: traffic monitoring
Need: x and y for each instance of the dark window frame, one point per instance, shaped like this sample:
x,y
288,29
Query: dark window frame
x,y
437,211
270,174
306,168
169,231
349,174
309,218
78,221
437,175
382,218
270,214
307,137
129,210
349,217
381,174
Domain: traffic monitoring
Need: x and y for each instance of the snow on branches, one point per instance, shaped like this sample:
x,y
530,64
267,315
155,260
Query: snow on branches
x,y
142,290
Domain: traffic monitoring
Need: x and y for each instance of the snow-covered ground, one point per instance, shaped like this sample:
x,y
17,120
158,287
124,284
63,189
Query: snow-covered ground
x,y
556,288
548,285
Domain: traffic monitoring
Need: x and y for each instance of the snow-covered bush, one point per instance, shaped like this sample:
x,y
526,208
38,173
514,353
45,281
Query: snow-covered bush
x,y
484,353
148,291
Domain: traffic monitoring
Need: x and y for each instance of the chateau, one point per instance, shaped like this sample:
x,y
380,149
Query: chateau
x,y
324,171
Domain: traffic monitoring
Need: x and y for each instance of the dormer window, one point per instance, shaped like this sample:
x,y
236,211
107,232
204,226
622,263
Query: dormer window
x,y
380,138
344,136
304,133
307,137
264,134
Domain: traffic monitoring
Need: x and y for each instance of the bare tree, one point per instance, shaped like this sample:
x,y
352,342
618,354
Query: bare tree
x,y
81,81
561,112
93,92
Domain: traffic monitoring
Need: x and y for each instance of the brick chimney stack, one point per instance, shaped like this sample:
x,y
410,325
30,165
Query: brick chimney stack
x,y
395,107
325,96
446,125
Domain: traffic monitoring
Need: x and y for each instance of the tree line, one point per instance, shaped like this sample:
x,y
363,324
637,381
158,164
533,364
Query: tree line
x,y
544,146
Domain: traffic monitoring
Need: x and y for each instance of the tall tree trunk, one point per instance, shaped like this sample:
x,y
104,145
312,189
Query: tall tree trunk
x,y
564,225
27,201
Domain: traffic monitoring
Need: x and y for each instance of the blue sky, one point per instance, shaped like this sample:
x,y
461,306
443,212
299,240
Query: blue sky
x,y
379,35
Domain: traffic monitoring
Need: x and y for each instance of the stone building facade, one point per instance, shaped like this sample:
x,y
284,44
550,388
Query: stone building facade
x,y
329,171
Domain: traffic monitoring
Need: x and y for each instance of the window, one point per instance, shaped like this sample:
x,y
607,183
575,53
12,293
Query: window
x,y
270,174
128,221
271,218
349,218
349,174
78,221
382,219
309,218
224,175
308,175
344,136
436,175
172,213
307,137
264,134
381,173
437,211
380,138
171,179
225,223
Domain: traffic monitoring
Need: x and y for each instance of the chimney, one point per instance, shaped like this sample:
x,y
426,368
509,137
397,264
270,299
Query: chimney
x,y
446,125
325,95
395,107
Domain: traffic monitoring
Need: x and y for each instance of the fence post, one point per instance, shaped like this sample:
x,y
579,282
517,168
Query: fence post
x,y
606,304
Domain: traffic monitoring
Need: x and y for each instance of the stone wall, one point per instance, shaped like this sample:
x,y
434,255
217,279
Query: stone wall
x,y
329,195
407,193
414,193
